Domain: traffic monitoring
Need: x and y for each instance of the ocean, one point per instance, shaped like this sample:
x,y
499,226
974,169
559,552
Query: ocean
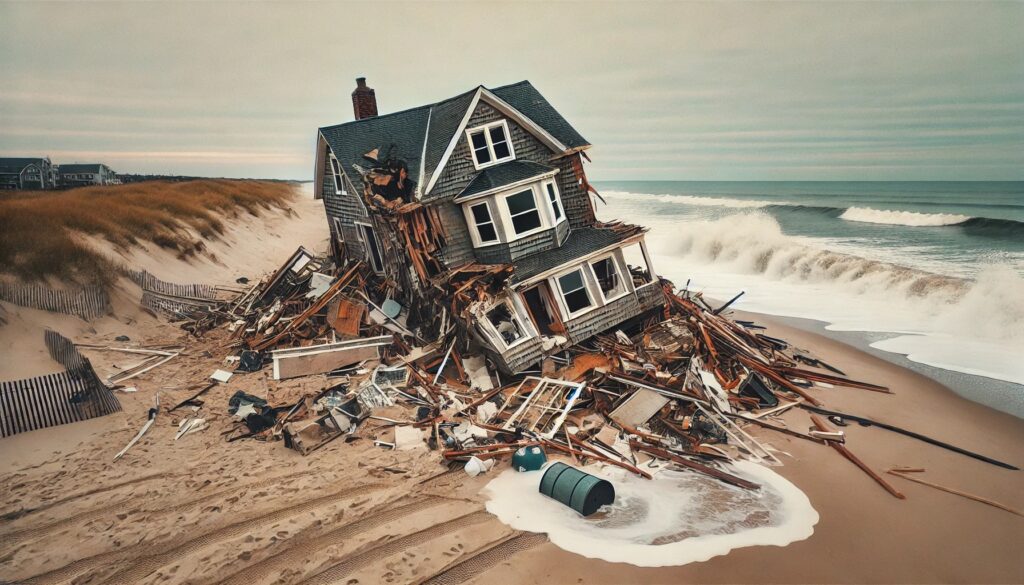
x,y
931,271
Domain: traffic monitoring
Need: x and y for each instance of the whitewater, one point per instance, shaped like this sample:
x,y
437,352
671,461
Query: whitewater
x,y
930,276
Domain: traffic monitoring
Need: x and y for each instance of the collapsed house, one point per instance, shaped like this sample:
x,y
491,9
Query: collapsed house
x,y
476,211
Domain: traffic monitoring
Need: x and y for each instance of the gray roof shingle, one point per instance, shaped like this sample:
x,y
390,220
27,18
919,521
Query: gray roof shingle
x,y
16,165
503,174
402,134
581,241
79,168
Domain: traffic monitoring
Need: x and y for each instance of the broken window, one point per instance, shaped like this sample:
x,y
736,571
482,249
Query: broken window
x,y
638,265
506,323
484,223
490,144
522,208
574,291
606,272
339,185
373,253
556,203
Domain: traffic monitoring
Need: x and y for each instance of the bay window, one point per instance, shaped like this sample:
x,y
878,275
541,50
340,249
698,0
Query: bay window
x,y
522,209
490,144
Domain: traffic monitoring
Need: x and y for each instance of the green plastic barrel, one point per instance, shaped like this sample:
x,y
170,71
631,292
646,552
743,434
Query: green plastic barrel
x,y
578,490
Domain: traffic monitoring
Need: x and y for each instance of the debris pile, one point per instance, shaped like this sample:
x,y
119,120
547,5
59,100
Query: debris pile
x,y
678,389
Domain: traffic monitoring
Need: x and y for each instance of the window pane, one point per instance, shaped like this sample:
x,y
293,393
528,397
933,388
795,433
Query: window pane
x,y
608,277
577,301
487,233
481,214
571,281
478,140
555,207
636,264
482,156
505,323
521,202
497,134
526,222
501,150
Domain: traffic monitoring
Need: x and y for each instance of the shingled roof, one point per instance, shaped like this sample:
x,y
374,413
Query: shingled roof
x,y
504,174
581,241
79,168
420,136
16,165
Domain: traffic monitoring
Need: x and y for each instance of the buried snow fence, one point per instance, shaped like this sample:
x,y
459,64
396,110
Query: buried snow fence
x,y
88,303
73,395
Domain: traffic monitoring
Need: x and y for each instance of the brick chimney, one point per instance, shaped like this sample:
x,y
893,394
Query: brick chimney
x,y
364,102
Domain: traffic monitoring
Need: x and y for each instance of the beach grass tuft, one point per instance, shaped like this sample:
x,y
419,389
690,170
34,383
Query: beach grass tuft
x,y
37,229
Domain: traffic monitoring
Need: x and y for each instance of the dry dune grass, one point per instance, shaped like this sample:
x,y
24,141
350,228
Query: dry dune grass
x,y
37,229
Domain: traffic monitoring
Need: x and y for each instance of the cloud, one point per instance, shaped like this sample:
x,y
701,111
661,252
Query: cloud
x,y
663,90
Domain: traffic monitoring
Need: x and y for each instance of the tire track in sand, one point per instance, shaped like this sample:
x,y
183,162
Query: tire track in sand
x,y
15,514
357,561
142,561
303,548
15,538
479,562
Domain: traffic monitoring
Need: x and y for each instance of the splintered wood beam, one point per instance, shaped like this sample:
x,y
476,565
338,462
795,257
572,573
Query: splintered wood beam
x,y
821,426
698,467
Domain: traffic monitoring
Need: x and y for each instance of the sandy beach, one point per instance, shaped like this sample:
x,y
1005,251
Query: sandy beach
x,y
202,510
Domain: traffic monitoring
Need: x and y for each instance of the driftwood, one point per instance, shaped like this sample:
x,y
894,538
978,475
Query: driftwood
x,y
902,472
918,436
820,424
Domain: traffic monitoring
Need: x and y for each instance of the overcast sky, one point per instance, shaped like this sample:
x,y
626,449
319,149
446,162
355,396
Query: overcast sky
x,y
699,91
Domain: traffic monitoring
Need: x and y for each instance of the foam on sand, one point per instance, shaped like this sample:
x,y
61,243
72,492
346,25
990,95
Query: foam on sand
x,y
675,519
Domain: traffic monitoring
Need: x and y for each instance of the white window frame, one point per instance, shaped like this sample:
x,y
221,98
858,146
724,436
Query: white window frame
x,y
339,232
474,232
524,322
647,260
339,180
626,282
486,129
366,245
506,215
586,287
551,204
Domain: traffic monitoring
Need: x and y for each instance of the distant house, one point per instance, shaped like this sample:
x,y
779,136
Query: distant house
x,y
487,182
27,173
83,175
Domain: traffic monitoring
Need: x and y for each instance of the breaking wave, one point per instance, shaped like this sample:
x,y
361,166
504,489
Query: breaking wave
x,y
989,307
693,200
976,226
908,218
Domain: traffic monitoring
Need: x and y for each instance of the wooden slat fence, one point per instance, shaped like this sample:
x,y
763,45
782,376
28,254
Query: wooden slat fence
x,y
55,399
148,282
88,303
172,306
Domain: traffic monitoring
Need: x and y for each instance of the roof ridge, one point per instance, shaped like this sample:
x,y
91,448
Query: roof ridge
x,y
431,105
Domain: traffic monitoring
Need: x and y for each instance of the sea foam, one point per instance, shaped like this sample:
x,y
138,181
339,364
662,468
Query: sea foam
x,y
675,519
